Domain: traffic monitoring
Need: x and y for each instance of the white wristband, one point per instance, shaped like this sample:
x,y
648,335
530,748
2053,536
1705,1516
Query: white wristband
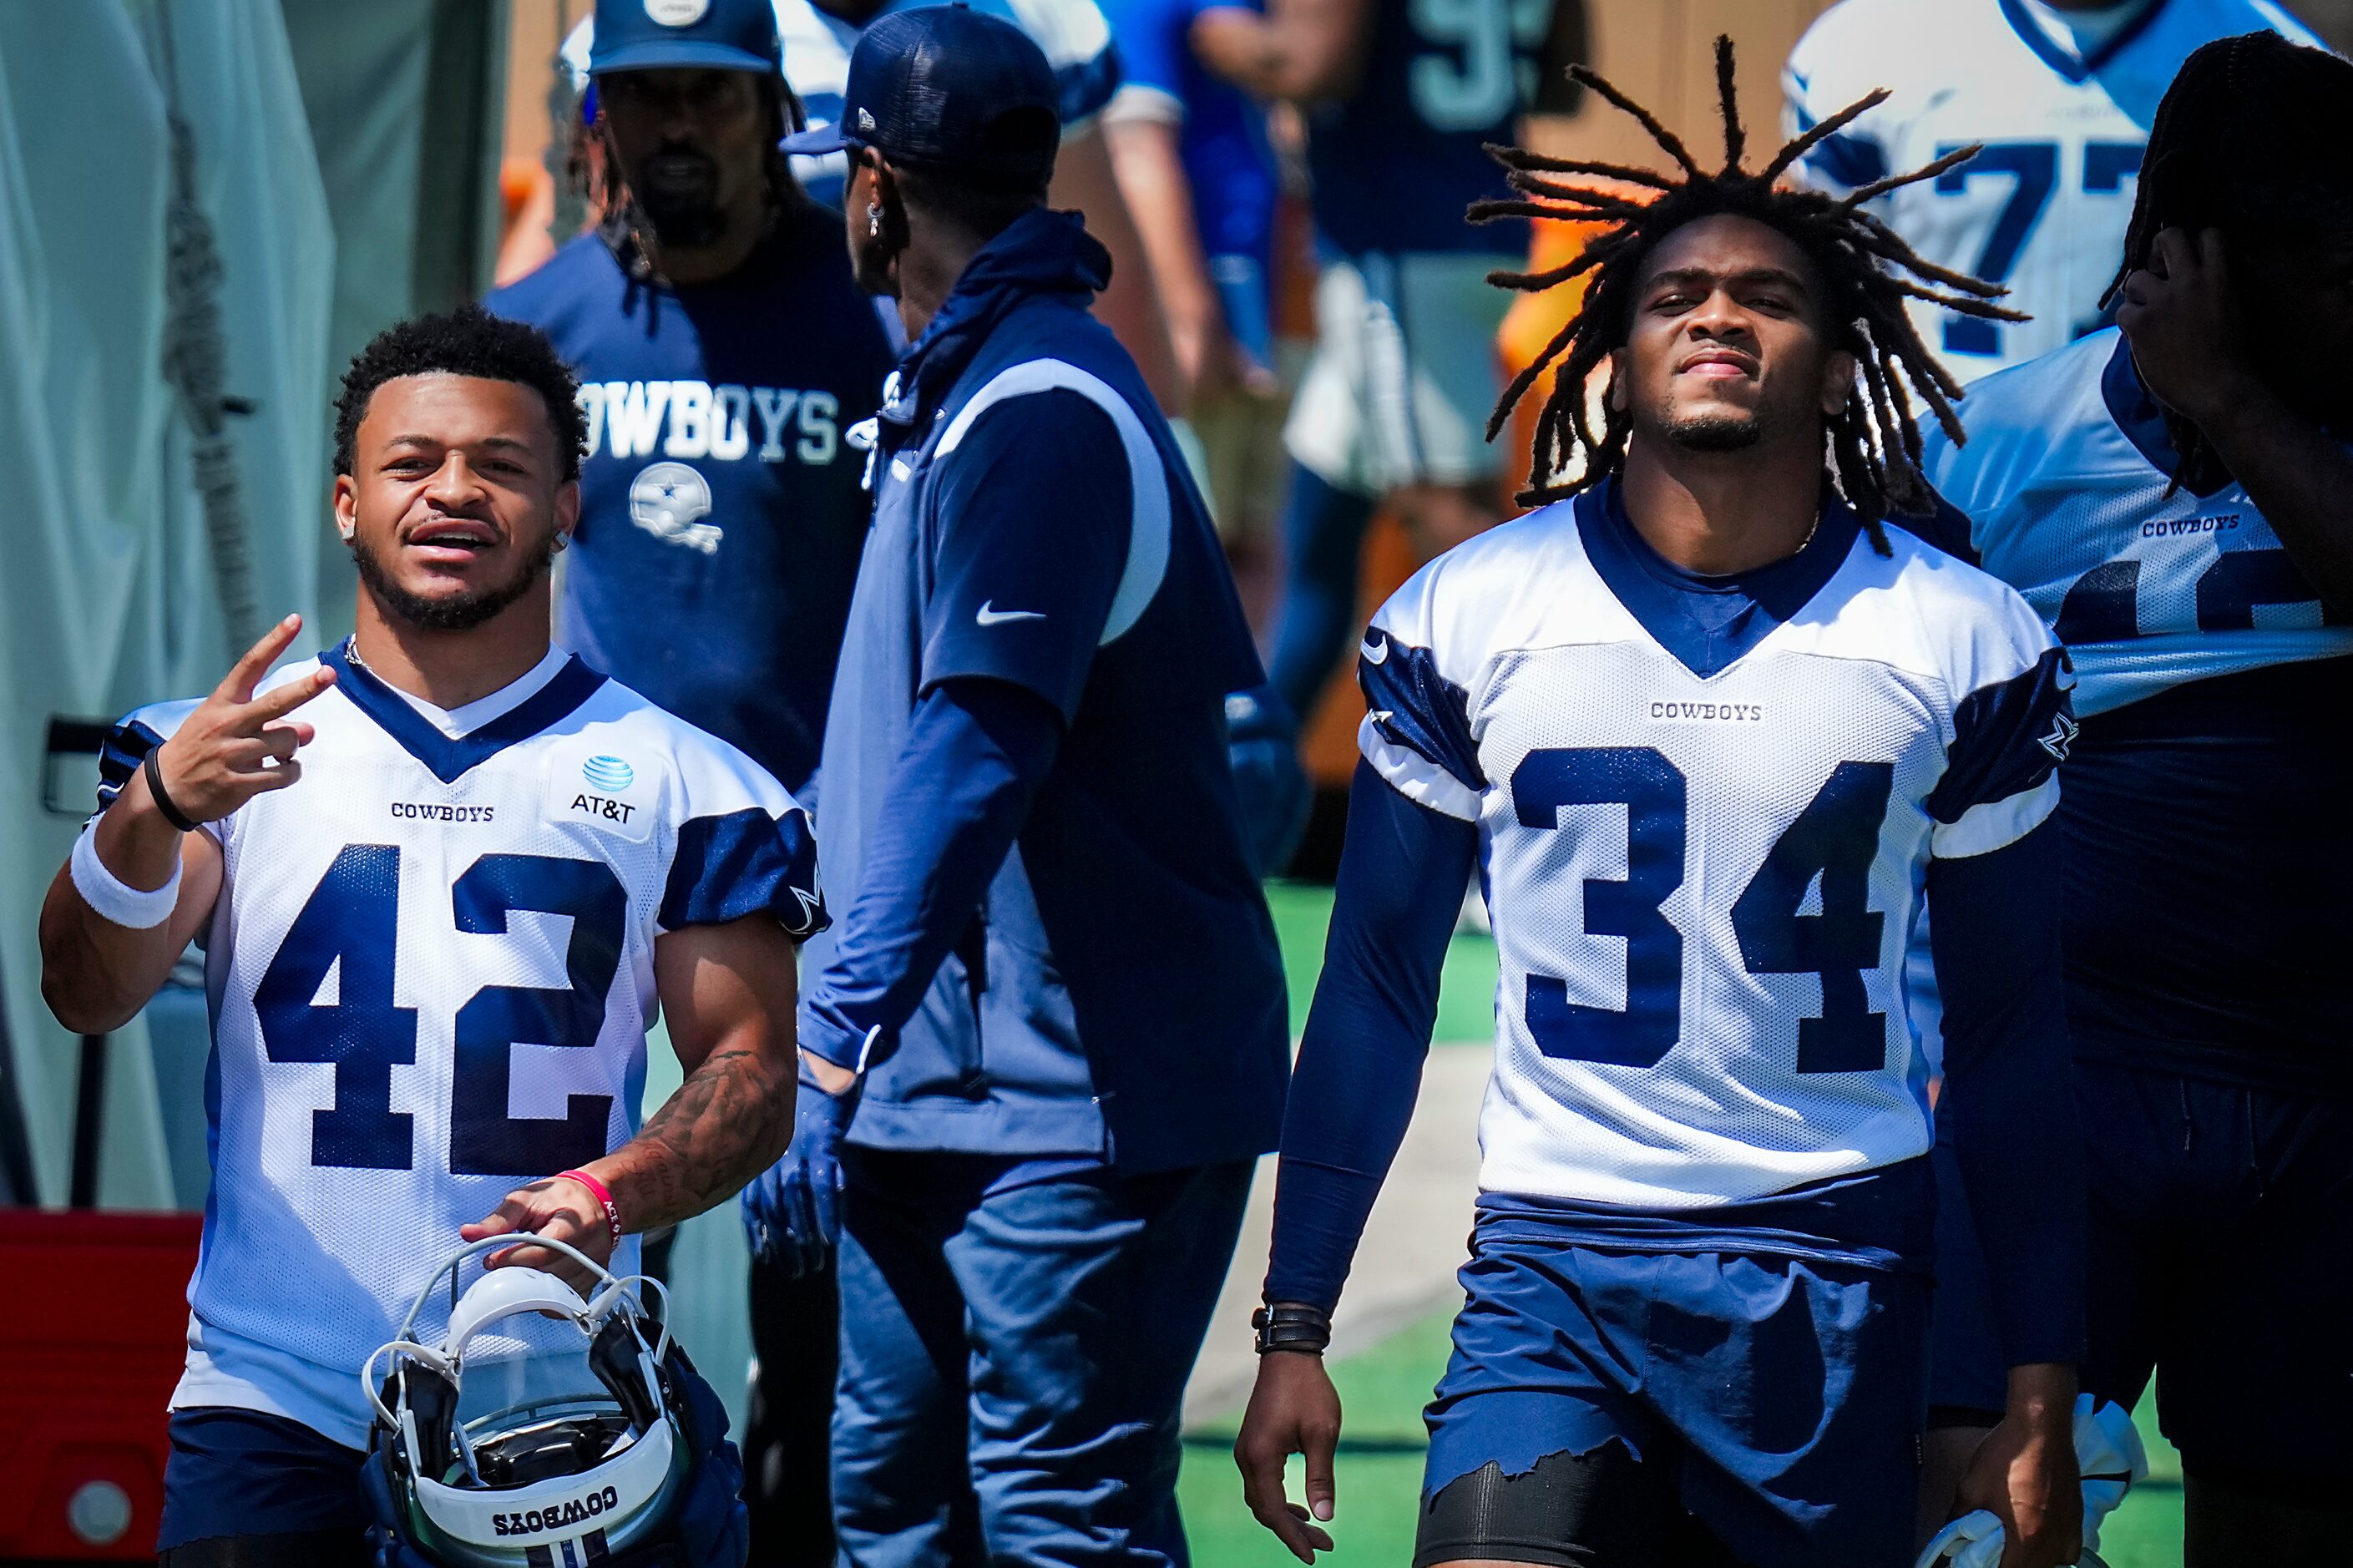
x,y
114,899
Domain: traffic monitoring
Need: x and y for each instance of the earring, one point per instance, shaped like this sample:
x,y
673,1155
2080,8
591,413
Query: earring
x,y
563,543
873,221
346,530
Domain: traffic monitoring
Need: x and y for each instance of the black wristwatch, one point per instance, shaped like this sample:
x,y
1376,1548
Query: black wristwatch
x,y
1292,1327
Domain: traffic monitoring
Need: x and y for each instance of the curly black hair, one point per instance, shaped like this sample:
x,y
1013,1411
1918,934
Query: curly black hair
x,y
1873,451
2253,138
467,340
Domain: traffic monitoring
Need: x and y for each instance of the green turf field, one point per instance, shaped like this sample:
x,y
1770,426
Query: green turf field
x,y
1379,1473
1382,1390
1466,994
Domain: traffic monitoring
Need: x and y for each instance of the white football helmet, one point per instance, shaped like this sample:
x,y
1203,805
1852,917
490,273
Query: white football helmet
x,y
526,1446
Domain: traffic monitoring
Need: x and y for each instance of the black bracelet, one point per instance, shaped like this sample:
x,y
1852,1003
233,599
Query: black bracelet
x,y
172,813
1292,1327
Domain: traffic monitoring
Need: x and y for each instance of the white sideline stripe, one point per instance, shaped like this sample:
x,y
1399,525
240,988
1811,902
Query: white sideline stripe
x,y
1147,539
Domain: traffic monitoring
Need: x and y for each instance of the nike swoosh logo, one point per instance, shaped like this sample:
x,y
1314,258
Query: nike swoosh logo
x,y
1376,652
988,616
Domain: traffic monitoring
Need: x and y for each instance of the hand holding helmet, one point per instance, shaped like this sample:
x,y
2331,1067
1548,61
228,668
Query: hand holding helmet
x,y
601,1444
562,1209
2110,1457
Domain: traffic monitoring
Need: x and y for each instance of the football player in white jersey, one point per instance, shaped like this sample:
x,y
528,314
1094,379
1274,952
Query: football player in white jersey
x,y
1705,730
2061,92
2175,499
443,874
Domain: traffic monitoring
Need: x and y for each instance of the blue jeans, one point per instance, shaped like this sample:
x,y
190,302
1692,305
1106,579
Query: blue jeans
x,y
1013,1354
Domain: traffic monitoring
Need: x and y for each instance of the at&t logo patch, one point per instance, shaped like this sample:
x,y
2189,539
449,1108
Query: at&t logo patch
x,y
606,792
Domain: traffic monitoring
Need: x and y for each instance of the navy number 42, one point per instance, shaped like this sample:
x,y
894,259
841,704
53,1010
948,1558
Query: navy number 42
x,y
1835,838
350,925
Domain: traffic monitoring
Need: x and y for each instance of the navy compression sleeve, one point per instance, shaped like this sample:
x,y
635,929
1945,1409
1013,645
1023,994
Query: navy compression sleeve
x,y
977,751
2009,1087
1352,1092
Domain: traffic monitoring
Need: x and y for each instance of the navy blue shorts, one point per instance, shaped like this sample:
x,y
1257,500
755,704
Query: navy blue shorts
x,y
2222,1260
1788,1394
243,1473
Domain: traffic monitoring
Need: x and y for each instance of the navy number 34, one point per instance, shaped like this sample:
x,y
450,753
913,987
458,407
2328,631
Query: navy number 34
x,y
1836,837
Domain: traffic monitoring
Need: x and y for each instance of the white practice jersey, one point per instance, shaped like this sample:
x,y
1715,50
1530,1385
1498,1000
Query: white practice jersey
x,y
2065,481
431,971
2043,209
1702,885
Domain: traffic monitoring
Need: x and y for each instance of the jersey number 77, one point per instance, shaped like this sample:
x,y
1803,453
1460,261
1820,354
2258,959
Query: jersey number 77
x,y
2034,168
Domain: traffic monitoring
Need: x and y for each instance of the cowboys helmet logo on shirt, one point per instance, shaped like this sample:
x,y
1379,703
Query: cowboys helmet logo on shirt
x,y
666,499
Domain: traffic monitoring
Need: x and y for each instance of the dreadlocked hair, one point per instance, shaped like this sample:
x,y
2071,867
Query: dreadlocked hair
x,y
1873,446
594,169
2251,139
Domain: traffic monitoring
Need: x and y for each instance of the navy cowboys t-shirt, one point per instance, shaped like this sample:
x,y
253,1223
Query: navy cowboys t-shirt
x,y
721,514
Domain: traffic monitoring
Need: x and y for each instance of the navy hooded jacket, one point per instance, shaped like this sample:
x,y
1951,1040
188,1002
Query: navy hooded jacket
x,y
1030,701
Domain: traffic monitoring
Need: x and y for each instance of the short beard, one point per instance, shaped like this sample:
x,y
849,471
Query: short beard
x,y
682,225
1716,432
461,614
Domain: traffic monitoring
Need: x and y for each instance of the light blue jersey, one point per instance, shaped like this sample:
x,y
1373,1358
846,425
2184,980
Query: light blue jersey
x,y
2064,108
2065,480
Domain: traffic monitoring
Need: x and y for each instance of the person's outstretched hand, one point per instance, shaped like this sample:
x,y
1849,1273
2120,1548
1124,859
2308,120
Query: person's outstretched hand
x,y
234,746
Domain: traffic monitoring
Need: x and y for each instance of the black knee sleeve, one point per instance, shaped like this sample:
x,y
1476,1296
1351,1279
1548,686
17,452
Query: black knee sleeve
x,y
1605,1509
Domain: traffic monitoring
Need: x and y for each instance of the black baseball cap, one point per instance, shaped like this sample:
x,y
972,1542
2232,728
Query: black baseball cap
x,y
949,86
673,34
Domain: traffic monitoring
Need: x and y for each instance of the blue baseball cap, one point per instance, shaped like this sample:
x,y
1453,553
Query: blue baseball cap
x,y
950,85
675,35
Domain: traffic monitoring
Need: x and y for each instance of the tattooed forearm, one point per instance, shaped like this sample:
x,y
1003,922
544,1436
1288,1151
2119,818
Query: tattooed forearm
x,y
728,1122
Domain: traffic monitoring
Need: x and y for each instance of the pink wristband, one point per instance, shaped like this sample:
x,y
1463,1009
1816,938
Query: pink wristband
x,y
604,1196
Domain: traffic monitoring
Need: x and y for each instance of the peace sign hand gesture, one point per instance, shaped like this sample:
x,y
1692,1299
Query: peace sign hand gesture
x,y
232,747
